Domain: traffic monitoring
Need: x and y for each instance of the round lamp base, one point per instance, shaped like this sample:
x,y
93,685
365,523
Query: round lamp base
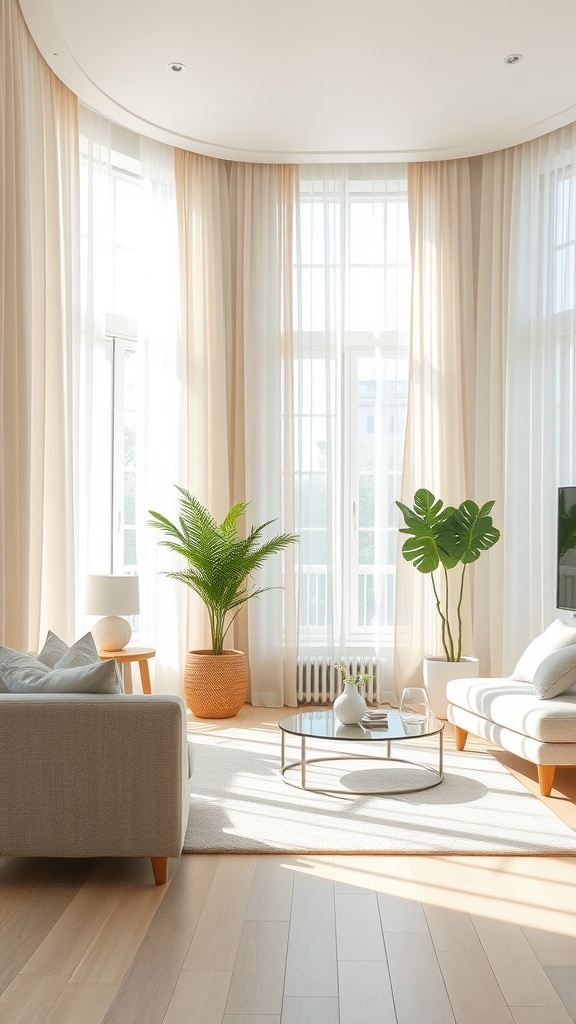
x,y
111,633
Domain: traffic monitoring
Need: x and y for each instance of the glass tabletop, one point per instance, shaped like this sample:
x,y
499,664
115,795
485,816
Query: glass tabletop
x,y
323,725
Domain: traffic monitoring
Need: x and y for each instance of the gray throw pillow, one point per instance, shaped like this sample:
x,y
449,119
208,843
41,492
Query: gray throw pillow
x,y
83,652
11,661
101,678
54,649
556,674
22,673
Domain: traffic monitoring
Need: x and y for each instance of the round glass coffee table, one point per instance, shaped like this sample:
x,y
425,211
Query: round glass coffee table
x,y
322,725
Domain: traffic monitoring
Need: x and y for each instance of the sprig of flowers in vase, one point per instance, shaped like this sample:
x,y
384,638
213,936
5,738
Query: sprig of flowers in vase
x,y
347,677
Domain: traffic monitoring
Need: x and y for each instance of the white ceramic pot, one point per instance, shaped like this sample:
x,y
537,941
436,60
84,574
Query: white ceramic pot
x,y
350,707
438,672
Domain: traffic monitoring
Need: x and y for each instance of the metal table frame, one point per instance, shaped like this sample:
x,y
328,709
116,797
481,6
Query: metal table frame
x,y
436,773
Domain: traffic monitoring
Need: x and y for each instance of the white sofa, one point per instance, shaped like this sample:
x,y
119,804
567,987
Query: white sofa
x,y
508,712
92,775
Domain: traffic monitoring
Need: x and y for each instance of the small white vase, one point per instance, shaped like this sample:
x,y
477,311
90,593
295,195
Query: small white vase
x,y
350,707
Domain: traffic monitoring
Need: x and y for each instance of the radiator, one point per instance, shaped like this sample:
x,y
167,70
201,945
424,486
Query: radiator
x,y
318,682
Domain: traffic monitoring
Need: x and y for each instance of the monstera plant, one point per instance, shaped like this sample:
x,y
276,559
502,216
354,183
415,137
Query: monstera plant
x,y
442,539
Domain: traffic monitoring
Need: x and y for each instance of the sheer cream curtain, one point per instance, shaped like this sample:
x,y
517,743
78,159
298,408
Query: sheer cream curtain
x,y
261,357
526,413
94,487
439,441
137,289
38,315
161,413
205,261
234,223
494,194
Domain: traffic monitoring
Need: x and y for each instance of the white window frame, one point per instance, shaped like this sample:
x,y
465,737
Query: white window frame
x,y
122,346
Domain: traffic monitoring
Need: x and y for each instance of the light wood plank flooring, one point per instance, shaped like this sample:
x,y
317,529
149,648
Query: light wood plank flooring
x,y
291,939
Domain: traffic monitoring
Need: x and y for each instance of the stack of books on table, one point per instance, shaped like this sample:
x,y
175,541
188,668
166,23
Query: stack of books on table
x,y
375,717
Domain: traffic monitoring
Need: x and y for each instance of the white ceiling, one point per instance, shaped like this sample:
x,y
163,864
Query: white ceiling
x,y
318,80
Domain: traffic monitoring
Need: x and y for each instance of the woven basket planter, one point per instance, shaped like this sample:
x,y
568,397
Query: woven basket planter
x,y
215,685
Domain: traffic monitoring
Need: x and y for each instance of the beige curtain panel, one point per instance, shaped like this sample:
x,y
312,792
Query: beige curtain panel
x,y
438,445
234,226
38,306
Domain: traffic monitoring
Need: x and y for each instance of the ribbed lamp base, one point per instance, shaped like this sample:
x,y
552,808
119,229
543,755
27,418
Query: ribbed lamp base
x,y
111,633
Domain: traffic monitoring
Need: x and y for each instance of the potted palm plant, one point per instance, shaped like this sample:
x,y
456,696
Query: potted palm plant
x,y
219,566
444,538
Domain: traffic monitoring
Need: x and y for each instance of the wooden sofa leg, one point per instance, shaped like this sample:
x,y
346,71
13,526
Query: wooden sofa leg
x,y
460,737
160,869
546,774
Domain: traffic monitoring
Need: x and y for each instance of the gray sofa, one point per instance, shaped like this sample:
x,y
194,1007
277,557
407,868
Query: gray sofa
x,y
94,776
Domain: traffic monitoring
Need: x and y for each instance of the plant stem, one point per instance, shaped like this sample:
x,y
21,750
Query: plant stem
x,y
229,624
458,612
442,617
448,630
216,630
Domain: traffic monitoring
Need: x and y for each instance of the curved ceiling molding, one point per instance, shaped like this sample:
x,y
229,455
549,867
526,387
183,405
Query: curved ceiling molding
x,y
317,81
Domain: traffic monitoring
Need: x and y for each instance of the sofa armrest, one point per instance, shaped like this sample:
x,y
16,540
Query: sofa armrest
x,y
93,775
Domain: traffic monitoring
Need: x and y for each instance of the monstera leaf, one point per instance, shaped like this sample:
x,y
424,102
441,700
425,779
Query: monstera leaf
x,y
425,523
468,532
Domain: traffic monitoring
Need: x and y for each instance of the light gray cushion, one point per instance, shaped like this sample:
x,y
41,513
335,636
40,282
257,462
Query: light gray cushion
x,y
54,649
11,661
57,654
557,636
83,652
22,673
556,674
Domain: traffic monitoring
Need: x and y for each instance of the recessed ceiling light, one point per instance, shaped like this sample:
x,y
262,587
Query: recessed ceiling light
x,y
513,58
175,65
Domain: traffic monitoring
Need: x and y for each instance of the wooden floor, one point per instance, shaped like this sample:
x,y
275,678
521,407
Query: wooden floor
x,y
293,940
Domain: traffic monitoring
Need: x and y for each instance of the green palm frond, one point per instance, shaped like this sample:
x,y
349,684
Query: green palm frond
x,y
220,562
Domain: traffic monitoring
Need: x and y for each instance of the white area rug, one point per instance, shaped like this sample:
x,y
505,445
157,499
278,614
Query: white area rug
x,y
241,804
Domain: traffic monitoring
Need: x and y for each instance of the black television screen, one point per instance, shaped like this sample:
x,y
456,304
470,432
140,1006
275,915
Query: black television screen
x,y
566,570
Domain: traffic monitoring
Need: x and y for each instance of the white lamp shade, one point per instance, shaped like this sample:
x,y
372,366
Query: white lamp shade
x,y
112,595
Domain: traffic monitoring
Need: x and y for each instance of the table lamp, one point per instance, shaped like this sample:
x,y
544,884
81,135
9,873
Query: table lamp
x,y
112,597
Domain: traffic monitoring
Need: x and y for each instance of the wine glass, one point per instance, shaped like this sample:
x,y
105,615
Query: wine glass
x,y
414,705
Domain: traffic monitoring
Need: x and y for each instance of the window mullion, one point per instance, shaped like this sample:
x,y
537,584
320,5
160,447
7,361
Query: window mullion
x,y
118,458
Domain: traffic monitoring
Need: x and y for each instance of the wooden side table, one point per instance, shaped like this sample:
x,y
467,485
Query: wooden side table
x,y
125,658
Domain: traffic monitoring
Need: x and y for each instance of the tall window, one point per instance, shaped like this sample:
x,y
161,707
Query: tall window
x,y
351,316
132,404
111,209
